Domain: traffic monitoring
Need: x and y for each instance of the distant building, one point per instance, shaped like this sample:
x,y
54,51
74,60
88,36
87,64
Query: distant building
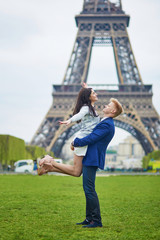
x,y
111,158
130,148
127,154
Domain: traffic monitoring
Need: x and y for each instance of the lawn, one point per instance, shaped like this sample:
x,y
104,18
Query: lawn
x,y
47,207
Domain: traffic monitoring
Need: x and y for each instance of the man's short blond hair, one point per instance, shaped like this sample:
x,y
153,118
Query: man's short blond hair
x,y
119,108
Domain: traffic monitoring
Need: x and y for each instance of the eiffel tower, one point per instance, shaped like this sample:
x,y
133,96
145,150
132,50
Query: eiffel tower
x,y
102,22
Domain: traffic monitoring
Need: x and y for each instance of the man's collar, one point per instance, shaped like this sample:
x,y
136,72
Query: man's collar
x,y
104,118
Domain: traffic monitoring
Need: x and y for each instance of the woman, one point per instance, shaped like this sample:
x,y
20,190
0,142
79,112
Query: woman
x,y
84,111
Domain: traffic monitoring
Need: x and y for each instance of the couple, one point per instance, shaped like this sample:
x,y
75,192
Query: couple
x,y
89,148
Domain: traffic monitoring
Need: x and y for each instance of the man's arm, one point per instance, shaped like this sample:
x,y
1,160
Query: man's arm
x,y
102,130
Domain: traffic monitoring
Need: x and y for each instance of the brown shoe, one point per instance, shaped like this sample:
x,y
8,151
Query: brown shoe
x,y
47,167
42,171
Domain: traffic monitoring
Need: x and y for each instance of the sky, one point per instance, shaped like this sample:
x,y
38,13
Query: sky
x,y
36,41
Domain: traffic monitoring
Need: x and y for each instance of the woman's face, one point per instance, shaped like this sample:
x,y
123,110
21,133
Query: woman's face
x,y
93,97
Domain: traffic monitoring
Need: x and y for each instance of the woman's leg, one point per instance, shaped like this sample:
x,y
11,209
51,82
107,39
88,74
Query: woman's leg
x,y
75,170
48,168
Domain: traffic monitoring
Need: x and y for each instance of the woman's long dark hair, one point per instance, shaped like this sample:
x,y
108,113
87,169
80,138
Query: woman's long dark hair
x,y
83,100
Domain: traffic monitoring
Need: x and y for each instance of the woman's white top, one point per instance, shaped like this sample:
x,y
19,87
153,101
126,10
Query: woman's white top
x,y
88,123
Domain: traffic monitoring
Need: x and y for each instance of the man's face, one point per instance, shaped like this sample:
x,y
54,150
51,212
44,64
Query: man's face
x,y
109,108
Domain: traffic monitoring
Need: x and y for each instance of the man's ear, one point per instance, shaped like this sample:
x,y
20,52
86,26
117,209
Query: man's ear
x,y
113,110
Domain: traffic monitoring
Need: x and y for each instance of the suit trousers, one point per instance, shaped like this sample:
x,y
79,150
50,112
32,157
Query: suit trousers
x,y
92,202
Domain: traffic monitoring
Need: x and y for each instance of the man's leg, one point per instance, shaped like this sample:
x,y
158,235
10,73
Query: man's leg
x,y
92,202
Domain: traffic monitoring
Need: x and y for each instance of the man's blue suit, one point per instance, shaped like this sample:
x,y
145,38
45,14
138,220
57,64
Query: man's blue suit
x,y
97,143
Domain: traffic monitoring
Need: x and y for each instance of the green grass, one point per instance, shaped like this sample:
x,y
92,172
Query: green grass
x,y
47,207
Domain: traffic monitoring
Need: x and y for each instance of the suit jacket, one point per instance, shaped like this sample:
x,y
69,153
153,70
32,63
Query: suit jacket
x,y
97,142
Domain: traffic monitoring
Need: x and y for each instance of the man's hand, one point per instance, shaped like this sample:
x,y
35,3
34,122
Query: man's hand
x,y
72,147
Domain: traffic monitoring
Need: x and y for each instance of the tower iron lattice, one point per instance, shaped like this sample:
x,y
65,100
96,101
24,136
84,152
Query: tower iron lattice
x,y
102,22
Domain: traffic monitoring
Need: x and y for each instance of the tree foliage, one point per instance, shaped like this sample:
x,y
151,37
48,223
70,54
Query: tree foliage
x,y
155,155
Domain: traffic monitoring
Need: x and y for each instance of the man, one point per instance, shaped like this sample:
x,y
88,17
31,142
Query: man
x,y
97,143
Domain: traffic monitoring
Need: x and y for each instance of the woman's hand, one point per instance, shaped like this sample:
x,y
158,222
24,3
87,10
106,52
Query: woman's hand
x,y
65,122
84,85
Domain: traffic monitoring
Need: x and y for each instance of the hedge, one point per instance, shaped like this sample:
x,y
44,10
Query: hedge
x,y
13,149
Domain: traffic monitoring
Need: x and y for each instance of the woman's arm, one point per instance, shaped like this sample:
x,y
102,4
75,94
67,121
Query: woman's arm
x,y
83,111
